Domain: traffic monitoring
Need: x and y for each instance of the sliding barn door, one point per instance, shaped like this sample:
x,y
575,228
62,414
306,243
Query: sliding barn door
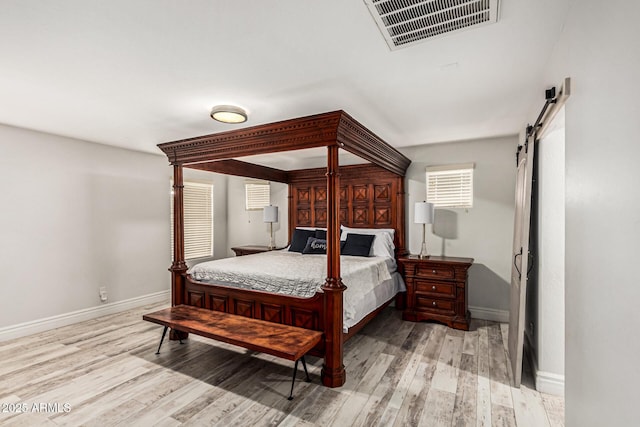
x,y
520,258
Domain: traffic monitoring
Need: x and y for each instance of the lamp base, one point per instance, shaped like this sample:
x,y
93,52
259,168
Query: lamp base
x,y
272,243
423,251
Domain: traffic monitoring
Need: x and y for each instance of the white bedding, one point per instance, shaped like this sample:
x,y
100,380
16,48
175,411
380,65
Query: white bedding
x,y
370,281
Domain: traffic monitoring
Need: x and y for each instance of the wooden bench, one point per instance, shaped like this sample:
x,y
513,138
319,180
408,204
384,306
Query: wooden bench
x,y
287,342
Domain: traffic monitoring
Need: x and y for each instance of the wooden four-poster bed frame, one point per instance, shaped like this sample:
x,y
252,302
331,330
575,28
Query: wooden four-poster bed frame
x,y
366,196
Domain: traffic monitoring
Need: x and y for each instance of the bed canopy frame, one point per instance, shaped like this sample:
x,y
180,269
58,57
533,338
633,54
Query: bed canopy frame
x,y
334,130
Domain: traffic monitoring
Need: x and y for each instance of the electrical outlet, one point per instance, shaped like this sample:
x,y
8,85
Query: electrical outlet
x,y
103,293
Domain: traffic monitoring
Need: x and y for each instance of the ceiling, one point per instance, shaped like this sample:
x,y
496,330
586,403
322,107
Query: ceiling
x,y
137,73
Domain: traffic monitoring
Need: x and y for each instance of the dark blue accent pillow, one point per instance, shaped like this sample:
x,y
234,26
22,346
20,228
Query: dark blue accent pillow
x,y
299,239
315,246
358,244
321,234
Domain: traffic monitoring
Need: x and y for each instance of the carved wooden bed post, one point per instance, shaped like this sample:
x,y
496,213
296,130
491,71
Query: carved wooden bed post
x,y
178,266
333,373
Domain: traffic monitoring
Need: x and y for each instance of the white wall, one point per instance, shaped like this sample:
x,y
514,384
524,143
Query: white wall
x,y
246,227
76,216
484,232
599,51
80,215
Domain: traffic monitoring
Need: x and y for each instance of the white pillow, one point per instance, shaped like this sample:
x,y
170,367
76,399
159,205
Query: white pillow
x,y
382,244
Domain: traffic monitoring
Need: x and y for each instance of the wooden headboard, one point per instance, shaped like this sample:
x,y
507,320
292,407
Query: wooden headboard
x,y
370,197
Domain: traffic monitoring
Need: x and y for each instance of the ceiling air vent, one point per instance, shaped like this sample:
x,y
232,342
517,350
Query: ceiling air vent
x,y
405,22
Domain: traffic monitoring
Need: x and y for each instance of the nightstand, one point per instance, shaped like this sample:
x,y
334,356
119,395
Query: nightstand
x,y
436,289
251,249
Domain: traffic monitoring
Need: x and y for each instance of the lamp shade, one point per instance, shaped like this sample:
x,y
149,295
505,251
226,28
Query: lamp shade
x,y
423,213
270,214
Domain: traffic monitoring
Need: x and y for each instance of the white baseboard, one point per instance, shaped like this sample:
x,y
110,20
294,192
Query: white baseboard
x,y
545,382
550,383
40,325
491,314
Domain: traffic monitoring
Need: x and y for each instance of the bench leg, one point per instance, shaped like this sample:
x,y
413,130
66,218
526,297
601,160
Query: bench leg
x,y
293,380
295,371
304,365
164,332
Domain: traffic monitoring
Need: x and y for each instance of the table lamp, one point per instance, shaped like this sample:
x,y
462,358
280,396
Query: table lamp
x,y
270,215
423,215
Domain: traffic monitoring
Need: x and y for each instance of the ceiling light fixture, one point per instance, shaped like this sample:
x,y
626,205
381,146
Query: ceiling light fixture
x,y
228,114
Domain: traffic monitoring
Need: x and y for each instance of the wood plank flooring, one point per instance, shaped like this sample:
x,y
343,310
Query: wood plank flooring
x,y
104,372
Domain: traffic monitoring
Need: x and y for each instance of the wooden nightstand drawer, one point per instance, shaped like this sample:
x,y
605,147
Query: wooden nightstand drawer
x,y
440,289
424,302
434,271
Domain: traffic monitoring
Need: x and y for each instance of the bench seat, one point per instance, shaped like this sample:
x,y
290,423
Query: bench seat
x,y
284,341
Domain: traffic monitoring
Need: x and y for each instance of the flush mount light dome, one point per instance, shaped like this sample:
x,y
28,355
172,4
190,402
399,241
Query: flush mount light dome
x,y
228,114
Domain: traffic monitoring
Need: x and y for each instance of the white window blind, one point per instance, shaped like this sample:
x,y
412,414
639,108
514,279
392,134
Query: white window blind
x,y
450,185
258,195
198,220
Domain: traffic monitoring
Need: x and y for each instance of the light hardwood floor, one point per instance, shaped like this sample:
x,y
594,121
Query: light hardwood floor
x,y
399,374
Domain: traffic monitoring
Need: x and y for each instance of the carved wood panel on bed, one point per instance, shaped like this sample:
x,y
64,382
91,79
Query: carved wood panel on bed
x,y
300,312
370,197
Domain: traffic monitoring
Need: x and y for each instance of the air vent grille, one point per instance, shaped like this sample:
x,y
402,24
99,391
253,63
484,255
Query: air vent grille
x,y
403,22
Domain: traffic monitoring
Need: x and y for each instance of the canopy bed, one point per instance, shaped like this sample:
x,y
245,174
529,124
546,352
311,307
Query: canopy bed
x,y
369,196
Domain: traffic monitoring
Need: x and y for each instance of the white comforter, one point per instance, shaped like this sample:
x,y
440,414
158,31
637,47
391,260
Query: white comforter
x,y
295,274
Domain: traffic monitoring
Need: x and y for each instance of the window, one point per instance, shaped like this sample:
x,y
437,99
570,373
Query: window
x,y
450,186
198,220
257,194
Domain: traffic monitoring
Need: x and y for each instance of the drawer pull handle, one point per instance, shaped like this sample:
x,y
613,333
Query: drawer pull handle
x,y
433,271
433,303
433,287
